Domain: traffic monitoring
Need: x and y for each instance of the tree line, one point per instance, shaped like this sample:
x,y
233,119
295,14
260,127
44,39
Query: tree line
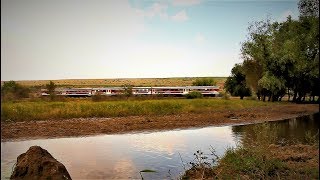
x,y
280,58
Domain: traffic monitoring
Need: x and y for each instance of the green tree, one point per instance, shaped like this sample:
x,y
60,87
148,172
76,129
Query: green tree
x,y
236,83
127,90
51,89
255,52
286,52
273,85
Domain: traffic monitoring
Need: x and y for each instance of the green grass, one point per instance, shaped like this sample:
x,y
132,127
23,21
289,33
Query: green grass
x,y
42,110
258,157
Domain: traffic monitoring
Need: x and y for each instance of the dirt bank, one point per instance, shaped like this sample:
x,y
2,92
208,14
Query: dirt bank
x,y
95,126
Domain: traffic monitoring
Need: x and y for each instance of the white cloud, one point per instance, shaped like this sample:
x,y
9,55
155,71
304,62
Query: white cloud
x,y
199,38
155,10
185,2
180,16
159,9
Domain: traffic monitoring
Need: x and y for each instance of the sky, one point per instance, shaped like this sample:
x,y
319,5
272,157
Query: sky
x,y
97,39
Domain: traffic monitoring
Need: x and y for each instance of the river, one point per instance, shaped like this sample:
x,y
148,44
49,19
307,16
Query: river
x,y
123,156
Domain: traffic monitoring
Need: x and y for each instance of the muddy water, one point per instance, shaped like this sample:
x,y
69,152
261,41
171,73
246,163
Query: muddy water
x,y
123,156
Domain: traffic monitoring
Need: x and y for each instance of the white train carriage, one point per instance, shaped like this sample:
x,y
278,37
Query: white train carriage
x,y
109,91
142,90
179,90
76,92
113,91
69,92
204,90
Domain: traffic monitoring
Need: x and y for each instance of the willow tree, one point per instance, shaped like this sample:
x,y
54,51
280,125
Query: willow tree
x,y
255,52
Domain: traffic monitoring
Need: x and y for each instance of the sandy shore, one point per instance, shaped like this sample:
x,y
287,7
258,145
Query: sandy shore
x,y
94,126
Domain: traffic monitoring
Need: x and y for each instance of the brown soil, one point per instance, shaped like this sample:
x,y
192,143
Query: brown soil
x,y
95,126
297,156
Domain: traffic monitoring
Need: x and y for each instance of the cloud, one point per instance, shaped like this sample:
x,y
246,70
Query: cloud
x,y
199,38
185,2
159,9
180,16
155,10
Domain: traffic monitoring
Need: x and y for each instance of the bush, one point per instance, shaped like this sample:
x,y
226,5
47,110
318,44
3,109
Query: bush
x,y
14,91
204,82
253,97
98,97
224,95
193,95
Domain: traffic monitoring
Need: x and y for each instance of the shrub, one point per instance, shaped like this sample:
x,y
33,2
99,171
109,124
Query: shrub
x,y
193,95
224,95
204,82
98,97
13,91
253,97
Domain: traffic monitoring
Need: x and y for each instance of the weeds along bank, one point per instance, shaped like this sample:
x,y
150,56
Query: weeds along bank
x,y
261,155
43,110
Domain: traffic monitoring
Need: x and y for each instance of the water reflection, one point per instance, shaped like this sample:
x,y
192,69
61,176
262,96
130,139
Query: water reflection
x,y
292,130
123,156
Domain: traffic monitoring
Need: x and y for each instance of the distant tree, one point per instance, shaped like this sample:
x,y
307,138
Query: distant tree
x,y
127,90
204,82
236,83
51,89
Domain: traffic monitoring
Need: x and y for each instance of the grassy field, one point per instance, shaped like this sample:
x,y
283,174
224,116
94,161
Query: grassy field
x,y
42,110
183,81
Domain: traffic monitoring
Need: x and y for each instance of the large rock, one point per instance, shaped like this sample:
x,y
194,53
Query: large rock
x,y
37,163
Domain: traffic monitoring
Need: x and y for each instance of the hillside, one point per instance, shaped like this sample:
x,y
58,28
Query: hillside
x,y
180,81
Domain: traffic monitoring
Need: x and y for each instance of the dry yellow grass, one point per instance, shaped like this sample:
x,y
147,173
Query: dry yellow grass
x,y
183,81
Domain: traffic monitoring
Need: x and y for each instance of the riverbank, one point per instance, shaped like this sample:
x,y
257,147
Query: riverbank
x,y
261,155
95,126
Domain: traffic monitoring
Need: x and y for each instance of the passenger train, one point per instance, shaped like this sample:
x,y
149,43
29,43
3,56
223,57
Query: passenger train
x,y
113,91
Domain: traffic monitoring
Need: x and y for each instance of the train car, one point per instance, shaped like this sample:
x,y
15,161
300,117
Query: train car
x,y
113,91
179,90
101,91
78,92
69,92
142,90
204,90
